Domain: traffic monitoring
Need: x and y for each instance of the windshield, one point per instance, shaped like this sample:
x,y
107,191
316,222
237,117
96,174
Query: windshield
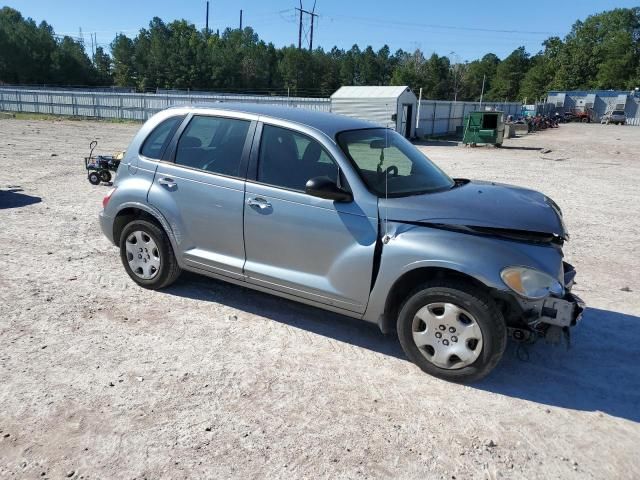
x,y
618,112
389,165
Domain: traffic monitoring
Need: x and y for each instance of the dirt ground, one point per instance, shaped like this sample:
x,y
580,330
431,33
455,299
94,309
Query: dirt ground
x,y
101,379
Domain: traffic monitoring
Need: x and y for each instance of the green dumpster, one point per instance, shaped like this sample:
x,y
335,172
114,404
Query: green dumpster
x,y
483,128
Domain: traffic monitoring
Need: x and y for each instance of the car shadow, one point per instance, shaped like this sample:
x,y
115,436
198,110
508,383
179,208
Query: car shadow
x,y
328,324
437,143
12,198
512,147
598,373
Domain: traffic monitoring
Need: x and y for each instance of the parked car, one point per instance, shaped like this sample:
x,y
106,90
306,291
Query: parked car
x,y
617,117
344,215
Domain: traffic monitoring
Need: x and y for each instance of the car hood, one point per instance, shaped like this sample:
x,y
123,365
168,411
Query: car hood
x,y
483,206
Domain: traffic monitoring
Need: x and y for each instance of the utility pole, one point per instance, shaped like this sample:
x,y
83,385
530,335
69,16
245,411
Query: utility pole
x,y
313,15
457,77
300,27
240,19
206,28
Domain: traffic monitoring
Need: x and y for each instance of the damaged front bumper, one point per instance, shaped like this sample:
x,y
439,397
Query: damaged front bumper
x,y
562,312
553,316
566,311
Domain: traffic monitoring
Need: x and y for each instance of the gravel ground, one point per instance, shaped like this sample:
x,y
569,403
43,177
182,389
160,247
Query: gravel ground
x,y
101,379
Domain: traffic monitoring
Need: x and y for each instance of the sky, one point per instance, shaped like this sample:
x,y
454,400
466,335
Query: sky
x,y
462,30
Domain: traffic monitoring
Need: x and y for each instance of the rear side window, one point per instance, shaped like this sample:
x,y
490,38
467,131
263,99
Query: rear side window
x,y
214,144
289,159
158,139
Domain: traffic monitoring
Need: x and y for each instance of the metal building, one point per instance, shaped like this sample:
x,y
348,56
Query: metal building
x,y
598,102
391,107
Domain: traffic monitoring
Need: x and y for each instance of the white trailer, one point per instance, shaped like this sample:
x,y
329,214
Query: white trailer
x,y
391,107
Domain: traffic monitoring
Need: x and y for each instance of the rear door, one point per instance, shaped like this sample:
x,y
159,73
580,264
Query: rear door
x,y
199,188
305,246
153,149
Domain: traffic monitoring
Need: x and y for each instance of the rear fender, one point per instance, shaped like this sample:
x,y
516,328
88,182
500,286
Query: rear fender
x,y
155,213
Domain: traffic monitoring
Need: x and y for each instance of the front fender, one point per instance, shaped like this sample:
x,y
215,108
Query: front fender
x,y
480,257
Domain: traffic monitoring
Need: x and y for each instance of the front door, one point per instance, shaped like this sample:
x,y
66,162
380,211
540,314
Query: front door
x,y
301,245
201,193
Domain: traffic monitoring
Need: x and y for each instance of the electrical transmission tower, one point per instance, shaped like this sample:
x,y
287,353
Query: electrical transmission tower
x,y
313,15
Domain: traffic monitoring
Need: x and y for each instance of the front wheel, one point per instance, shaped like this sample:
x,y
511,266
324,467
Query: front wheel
x,y
94,178
452,330
147,255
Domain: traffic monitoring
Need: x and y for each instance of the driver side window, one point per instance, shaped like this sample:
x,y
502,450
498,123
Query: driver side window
x,y
213,144
289,159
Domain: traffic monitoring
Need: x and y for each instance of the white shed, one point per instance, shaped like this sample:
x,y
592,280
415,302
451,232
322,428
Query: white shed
x,y
392,107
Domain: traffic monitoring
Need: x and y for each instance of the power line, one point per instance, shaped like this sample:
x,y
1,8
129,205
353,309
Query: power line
x,y
388,22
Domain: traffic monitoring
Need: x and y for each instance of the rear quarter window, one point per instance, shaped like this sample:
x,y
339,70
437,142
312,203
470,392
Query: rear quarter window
x,y
156,142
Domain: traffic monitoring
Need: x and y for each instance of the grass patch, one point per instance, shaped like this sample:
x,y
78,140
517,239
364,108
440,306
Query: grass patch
x,y
49,117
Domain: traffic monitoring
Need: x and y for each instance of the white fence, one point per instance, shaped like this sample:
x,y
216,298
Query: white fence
x,y
129,106
436,117
439,117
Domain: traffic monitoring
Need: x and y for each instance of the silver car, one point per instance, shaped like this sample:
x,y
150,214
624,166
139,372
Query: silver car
x,y
617,117
343,215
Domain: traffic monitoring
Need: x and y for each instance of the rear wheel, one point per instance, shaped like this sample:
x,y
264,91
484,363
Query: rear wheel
x,y
452,330
147,255
105,176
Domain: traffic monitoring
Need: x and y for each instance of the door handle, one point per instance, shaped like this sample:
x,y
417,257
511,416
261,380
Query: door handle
x,y
258,202
167,182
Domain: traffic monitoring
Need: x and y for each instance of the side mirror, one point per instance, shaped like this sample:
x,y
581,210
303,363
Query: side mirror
x,y
324,187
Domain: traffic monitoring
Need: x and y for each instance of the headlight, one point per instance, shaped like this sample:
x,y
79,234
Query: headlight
x,y
531,283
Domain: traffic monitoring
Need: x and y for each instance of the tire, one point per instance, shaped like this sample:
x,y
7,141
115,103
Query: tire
x,y
156,266
105,176
474,311
94,178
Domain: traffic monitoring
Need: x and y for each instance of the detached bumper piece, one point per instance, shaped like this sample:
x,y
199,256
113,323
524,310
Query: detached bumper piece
x,y
569,275
562,312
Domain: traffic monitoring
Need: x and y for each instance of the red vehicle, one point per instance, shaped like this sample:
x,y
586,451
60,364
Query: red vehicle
x,y
582,115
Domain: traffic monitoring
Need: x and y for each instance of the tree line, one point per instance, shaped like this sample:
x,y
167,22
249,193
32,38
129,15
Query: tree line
x,y
601,52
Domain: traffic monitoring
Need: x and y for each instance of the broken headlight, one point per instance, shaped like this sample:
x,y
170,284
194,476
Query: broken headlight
x,y
531,283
